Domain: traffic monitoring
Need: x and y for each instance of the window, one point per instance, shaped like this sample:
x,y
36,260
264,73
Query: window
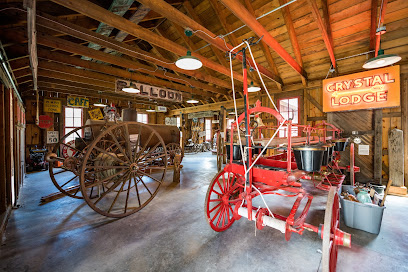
x,y
229,123
142,118
208,129
178,121
289,108
73,119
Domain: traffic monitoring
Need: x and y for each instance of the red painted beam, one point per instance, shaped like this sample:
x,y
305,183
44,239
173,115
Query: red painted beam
x,y
323,29
373,27
381,21
246,17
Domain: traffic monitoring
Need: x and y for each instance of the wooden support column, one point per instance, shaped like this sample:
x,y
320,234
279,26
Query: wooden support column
x,y
224,130
3,180
404,122
9,146
377,145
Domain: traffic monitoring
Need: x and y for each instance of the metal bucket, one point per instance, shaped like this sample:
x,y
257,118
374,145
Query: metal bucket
x,y
236,152
340,144
309,157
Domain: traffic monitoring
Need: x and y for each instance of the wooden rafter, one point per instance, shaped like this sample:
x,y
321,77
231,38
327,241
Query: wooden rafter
x,y
220,56
328,41
246,17
373,25
265,47
71,47
85,34
183,20
102,15
292,34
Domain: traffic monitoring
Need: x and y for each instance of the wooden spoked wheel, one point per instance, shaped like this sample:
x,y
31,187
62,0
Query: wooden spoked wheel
x,y
124,179
70,151
222,195
331,224
173,149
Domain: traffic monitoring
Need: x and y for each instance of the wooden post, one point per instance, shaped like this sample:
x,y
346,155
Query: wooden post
x,y
378,145
3,180
404,122
177,167
224,136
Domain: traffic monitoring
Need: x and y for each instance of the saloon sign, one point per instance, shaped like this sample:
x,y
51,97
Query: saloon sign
x,y
372,89
150,91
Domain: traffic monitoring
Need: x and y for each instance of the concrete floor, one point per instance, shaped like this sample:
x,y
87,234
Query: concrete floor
x,y
171,234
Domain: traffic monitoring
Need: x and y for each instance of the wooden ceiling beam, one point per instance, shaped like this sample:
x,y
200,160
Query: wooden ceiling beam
x,y
265,47
222,17
184,21
328,41
74,48
82,89
292,35
246,17
373,27
104,69
218,54
54,88
98,13
103,85
51,22
214,106
189,43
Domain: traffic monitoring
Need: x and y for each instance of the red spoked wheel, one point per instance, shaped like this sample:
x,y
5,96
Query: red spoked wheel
x,y
331,225
222,194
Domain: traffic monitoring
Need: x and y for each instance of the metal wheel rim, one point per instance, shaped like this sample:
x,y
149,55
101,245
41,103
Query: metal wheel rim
x,y
222,214
127,177
76,177
331,219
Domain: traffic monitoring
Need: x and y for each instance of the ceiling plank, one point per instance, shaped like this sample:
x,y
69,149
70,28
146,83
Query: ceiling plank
x,y
74,48
63,59
328,41
98,13
183,20
220,56
292,35
265,47
246,17
85,34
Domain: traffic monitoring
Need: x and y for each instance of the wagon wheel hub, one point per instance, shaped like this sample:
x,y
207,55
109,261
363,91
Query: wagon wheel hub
x,y
134,167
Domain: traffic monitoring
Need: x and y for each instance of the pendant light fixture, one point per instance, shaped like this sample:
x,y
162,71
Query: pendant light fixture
x,y
150,109
99,103
132,87
252,88
381,60
189,62
192,100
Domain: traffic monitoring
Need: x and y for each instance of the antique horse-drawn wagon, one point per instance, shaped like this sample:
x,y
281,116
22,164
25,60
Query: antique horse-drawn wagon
x,y
117,168
247,176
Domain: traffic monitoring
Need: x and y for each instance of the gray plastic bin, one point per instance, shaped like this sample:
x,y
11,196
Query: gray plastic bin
x,y
361,216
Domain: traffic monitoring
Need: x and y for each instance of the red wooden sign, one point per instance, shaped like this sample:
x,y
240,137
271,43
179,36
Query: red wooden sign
x,y
45,121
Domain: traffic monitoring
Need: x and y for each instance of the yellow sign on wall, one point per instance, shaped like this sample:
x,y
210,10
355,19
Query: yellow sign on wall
x,y
74,101
51,105
95,114
379,88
